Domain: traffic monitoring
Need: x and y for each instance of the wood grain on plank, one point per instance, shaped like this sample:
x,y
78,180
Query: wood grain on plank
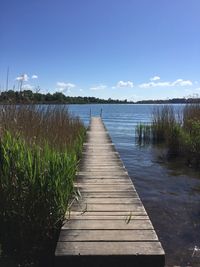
x,y
108,224
108,217
109,248
108,235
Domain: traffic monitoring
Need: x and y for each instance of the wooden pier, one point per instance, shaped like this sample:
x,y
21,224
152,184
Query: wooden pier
x,y
108,225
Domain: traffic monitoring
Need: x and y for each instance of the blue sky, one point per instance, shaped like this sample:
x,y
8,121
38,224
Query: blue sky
x,y
126,49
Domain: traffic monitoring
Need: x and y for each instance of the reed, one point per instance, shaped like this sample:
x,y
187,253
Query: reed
x,y
39,152
143,133
191,113
191,136
37,124
163,121
180,136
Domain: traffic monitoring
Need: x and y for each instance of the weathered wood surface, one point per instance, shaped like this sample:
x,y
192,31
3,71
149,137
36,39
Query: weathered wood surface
x,y
108,224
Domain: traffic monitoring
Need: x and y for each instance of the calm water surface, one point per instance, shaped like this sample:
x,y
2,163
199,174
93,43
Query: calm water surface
x,y
169,191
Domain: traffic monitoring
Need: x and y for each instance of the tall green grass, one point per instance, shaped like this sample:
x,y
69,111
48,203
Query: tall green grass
x,y
161,126
39,152
163,120
180,134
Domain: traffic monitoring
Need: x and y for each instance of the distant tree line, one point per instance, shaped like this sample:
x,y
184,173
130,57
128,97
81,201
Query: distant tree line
x,y
28,96
171,101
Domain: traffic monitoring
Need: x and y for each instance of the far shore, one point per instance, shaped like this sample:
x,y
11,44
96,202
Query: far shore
x,y
30,97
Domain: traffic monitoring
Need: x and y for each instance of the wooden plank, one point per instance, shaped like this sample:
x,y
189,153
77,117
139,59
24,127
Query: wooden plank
x,y
100,183
109,248
97,148
126,186
97,191
100,175
95,163
89,144
90,216
100,154
104,187
113,158
129,200
101,161
108,207
108,224
103,181
112,155
111,194
102,164
108,169
110,213
108,235
109,166
99,151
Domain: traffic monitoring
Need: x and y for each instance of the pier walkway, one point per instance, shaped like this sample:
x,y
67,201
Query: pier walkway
x,y
108,225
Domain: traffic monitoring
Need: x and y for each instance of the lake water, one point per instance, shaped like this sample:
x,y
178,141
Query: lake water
x,y
169,191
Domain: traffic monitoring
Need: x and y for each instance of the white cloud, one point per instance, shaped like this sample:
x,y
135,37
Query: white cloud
x,y
63,87
98,87
34,76
124,84
24,77
181,82
178,82
153,84
155,78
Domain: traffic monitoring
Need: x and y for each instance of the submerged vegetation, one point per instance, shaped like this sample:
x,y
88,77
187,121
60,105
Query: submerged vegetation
x,y
180,133
39,152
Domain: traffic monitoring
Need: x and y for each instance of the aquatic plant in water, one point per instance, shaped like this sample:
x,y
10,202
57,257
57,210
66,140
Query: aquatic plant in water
x,y
180,136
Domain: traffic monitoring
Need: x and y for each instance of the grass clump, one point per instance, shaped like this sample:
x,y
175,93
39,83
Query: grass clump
x,y
161,127
163,122
180,134
39,151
